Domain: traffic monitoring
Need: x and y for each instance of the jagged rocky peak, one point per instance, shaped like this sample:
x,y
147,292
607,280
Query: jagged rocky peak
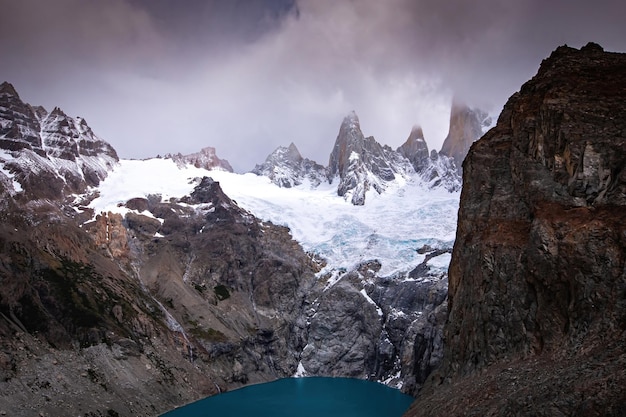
x,y
8,89
40,112
435,170
60,135
350,138
415,149
40,144
68,137
210,191
466,126
207,158
19,127
287,168
292,153
536,281
362,163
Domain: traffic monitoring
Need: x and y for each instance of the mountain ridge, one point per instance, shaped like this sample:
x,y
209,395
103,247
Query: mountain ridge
x,y
49,155
360,164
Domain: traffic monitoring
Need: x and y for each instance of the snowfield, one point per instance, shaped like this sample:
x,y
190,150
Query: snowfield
x,y
389,227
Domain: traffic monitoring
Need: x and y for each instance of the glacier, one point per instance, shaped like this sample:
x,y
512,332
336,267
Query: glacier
x,y
389,228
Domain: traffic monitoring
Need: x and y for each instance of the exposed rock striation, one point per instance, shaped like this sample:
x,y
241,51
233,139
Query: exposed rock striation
x,y
537,294
19,126
48,155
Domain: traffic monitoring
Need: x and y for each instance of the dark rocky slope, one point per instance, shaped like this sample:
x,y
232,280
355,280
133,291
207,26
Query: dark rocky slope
x,y
131,315
113,318
537,294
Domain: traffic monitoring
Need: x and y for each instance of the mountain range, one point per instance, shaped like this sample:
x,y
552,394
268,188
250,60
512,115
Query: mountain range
x,y
132,286
129,287
359,164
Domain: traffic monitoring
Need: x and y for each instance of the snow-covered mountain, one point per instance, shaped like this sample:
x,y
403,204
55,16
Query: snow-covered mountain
x,y
359,165
389,228
287,168
54,156
48,155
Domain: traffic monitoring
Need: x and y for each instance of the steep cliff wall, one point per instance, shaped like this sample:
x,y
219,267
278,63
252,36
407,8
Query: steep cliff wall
x,y
537,282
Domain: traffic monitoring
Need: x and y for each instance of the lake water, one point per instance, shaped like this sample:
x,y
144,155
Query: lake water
x,y
302,397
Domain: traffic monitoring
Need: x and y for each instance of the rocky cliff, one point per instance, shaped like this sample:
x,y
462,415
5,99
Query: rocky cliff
x,y
537,282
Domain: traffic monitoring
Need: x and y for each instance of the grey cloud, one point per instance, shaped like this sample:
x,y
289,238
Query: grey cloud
x,y
158,76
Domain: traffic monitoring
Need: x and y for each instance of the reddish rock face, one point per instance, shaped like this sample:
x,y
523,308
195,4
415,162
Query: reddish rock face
x,y
537,282
206,158
466,126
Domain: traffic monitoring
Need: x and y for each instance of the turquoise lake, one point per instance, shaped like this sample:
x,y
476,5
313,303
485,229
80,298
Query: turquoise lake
x,y
302,397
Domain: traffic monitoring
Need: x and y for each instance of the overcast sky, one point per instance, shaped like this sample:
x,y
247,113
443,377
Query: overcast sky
x,y
246,76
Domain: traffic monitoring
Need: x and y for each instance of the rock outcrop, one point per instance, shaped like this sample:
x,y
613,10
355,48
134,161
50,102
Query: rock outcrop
x,y
287,168
364,326
466,126
537,293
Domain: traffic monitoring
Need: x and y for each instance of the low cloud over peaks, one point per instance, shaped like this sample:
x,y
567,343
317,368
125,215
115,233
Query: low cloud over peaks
x,y
157,76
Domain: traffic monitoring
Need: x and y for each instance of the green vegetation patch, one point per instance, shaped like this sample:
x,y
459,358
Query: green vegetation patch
x,y
221,292
209,334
